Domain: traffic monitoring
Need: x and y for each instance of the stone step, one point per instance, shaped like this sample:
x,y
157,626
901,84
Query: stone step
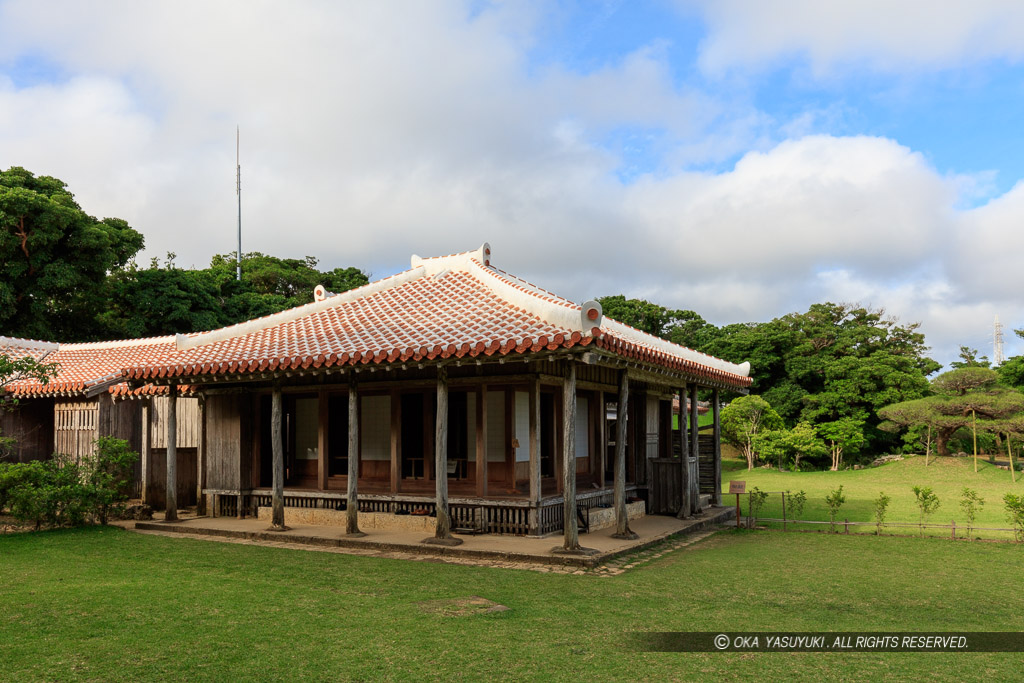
x,y
704,501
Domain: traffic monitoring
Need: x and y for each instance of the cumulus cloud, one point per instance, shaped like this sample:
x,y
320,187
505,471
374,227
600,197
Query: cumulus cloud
x,y
371,131
884,35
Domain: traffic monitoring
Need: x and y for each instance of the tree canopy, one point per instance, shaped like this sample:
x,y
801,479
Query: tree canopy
x,y
833,362
963,397
54,258
165,299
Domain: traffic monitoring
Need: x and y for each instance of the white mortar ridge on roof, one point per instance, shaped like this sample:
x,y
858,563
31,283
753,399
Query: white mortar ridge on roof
x,y
665,346
116,344
241,329
28,344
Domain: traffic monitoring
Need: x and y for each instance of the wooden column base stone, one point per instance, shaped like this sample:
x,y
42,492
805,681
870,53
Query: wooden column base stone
x,y
562,550
449,541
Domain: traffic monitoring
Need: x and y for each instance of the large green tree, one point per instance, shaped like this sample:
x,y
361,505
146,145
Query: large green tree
x,y
165,299
965,397
54,258
833,362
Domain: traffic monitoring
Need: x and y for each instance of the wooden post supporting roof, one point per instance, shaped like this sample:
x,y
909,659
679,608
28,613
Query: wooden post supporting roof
x,y
684,458
443,529
481,441
694,459
171,514
323,434
571,541
277,447
201,460
716,494
535,487
147,453
352,494
622,529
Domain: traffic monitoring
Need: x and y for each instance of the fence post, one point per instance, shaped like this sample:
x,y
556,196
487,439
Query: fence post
x,y
783,510
737,511
846,524
954,529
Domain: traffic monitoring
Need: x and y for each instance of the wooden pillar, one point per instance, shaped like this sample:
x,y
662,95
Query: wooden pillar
x,y
147,452
602,438
171,514
716,495
352,494
535,489
201,460
694,453
322,440
443,530
277,448
571,542
481,440
622,529
684,458
396,441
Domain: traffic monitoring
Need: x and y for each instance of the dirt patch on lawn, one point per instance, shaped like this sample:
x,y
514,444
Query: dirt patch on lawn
x,y
462,607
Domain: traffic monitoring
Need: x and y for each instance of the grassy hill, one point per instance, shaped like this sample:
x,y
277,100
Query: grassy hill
x,y
946,476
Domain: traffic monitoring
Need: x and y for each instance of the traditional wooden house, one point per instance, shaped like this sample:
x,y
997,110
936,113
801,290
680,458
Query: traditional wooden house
x,y
452,388
89,398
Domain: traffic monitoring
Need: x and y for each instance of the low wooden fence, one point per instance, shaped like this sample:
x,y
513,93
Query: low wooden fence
x,y
962,531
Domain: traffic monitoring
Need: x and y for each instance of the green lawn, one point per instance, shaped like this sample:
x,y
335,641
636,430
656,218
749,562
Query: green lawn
x,y
946,476
107,604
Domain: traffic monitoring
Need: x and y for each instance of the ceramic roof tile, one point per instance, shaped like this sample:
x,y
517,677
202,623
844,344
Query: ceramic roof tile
x,y
447,306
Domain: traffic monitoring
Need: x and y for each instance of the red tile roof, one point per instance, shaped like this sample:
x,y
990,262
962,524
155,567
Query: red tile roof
x,y
444,307
84,368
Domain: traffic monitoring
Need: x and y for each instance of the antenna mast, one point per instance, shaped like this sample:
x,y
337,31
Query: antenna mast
x,y
238,191
997,344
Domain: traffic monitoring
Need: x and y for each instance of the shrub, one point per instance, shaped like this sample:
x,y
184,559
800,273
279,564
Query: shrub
x,y
757,498
109,476
834,501
1015,514
927,503
881,507
64,491
796,503
970,503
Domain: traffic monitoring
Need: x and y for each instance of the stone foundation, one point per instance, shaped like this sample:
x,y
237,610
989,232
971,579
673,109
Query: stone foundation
x,y
384,521
602,518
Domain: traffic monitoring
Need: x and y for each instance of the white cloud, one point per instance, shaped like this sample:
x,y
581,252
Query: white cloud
x,y
884,35
371,131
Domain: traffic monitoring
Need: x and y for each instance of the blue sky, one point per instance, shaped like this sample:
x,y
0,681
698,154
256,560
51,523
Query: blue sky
x,y
738,158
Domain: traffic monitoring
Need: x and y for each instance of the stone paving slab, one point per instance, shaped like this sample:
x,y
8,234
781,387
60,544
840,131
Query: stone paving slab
x,y
492,550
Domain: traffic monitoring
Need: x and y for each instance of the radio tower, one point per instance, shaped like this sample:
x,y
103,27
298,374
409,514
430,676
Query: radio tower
x,y
997,343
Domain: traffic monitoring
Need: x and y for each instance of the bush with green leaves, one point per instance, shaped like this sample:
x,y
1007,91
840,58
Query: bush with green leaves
x,y
927,503
881,508
109,476
970,503
834,501
1015,514
795,503
756,499
67,492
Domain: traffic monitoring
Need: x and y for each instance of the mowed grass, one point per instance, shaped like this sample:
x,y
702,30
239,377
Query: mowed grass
x,y
107,604
946,476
